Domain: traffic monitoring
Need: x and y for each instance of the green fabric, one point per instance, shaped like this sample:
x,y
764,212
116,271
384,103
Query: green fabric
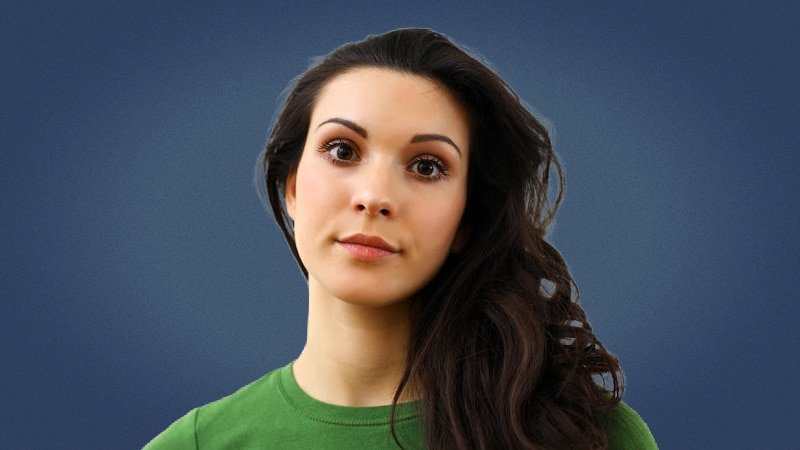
x,y
273,412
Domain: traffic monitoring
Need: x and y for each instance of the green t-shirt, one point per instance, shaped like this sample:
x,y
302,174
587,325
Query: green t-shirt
x,y
273,412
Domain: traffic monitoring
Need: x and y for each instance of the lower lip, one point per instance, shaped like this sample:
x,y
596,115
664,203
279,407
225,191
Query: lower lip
x,y
365,252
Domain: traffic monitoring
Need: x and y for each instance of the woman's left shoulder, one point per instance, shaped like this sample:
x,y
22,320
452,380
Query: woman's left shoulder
x,y
625,430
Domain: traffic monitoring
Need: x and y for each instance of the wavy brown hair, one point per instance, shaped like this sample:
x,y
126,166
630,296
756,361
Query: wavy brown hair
x,y
501,348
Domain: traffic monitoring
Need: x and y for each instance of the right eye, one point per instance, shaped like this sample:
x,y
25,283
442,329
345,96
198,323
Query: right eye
x,y
339,151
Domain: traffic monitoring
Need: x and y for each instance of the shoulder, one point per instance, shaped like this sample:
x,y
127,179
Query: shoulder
x,y
220,415
625,429
246,402
180,435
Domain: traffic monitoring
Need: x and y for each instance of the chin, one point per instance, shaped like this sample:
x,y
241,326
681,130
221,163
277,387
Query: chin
x,y
369,299
368,294
364,289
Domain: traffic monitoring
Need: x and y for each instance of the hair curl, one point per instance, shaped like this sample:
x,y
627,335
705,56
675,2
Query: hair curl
x,y
502,351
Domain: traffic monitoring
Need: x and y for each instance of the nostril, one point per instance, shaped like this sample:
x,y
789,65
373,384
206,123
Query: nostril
x,y
373,210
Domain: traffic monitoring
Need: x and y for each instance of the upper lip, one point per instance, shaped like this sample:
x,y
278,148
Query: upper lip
x,y
371,241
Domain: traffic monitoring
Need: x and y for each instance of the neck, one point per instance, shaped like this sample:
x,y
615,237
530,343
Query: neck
x,y
354,354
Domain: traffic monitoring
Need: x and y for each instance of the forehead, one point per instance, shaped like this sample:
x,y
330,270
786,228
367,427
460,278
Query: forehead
x,y
385,99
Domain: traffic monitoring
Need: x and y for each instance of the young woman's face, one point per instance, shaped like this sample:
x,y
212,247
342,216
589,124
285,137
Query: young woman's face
x,y
381,185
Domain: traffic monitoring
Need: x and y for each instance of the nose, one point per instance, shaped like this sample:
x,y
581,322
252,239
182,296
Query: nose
x,y
376,192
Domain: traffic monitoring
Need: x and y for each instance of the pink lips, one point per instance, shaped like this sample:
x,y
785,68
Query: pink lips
x,y
367,248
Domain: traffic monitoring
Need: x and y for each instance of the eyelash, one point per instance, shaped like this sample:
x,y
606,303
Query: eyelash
x,y
440,166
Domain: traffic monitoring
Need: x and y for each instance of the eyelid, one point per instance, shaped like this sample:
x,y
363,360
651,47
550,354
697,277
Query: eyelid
x,y
331,142
429,157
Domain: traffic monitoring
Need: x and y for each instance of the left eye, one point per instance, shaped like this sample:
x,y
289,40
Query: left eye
x,y
428,168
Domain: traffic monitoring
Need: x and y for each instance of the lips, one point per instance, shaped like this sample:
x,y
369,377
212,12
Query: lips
x,y
369,241
368,248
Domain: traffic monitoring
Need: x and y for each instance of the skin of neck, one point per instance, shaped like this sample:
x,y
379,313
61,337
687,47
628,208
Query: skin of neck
x,y
354,354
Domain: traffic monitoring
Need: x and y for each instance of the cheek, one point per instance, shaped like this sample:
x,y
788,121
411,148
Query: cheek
x,y
444,218
310,191
318,199
307,214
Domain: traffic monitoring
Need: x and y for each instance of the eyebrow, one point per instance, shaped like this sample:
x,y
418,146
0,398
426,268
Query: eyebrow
x,y
435,137
349,124
417,138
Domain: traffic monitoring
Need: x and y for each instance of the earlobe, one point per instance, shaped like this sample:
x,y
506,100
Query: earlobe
x,y
290,194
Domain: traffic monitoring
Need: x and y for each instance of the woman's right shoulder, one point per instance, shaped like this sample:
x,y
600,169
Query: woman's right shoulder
x,y
220,415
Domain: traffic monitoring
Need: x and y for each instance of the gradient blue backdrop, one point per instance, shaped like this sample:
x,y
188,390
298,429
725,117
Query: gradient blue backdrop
x,y
140,276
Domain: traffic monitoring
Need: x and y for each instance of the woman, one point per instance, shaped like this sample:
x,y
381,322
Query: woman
x,y
411,185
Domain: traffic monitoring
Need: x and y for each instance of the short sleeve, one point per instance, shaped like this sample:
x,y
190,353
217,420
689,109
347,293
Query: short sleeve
x,y
626,430
178,436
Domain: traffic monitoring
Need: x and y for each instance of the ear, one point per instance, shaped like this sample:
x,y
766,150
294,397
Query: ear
x,y
290,193
460,240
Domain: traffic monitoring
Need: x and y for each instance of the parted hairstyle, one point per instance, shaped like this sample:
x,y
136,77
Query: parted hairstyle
x,y
500,347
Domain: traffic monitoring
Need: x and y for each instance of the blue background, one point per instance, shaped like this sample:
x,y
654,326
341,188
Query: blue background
x,y
141,276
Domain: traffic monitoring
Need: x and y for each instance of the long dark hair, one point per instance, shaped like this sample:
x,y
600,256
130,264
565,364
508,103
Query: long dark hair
x,y
501,349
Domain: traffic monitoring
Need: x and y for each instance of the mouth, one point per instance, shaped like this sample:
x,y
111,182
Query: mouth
x,y
368,248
